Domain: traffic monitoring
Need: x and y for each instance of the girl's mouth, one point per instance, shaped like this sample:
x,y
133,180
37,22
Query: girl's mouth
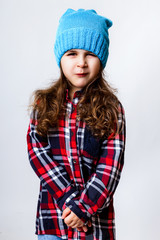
x,y
81,74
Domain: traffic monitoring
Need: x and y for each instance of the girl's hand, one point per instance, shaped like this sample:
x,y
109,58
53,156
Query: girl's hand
x,y
71,219
81,229
66,212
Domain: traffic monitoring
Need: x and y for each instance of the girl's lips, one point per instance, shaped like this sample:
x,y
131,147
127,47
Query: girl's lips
x,y
81,74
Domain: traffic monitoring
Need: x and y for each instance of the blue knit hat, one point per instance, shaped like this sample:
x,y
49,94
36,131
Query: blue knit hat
x,y
82,29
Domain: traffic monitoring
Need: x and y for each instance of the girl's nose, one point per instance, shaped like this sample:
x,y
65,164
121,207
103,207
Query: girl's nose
x,y
81,61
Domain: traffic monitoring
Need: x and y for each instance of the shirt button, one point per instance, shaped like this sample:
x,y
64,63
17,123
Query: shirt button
x,y
74,161
72,133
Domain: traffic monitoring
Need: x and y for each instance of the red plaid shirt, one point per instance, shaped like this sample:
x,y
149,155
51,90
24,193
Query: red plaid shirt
x,y
77,171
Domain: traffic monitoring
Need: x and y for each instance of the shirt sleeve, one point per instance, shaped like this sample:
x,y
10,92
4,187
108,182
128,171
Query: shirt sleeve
x,y
99,190
52,175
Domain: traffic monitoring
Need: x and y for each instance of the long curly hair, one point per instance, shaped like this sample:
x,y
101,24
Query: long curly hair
x,y
98,106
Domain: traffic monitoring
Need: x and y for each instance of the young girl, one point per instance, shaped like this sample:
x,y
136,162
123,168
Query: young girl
x,y
76,136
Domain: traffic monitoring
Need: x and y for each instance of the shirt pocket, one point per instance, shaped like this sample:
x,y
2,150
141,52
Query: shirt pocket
x,y
91,144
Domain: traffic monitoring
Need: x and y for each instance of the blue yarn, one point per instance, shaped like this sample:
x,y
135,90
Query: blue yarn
x,y
83,29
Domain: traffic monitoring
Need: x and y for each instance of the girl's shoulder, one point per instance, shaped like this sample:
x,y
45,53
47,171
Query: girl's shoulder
x,y
121,108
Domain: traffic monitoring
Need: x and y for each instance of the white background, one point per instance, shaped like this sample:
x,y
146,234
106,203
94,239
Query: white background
x,y
27,32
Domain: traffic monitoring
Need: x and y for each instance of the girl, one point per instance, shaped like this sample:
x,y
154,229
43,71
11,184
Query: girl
x,y
76,136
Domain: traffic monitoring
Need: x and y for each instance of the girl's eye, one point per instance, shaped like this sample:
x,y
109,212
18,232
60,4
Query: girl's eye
x,y
71,54
91,54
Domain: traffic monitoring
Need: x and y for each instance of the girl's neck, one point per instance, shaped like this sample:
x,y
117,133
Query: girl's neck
x,y
72,92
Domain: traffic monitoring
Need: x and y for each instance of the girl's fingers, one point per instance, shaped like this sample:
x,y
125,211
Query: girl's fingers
x,y
89,223
85,228
66,212
73,223
76,224
68,222
79,228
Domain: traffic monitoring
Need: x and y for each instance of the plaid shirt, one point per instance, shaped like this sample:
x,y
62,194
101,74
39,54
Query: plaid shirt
x,y
77,171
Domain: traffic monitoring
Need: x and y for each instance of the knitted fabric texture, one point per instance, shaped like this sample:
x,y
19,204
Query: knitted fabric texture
x,y
82,29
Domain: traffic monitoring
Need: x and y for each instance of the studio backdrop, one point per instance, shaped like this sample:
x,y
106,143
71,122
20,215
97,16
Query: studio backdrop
x,y
27,62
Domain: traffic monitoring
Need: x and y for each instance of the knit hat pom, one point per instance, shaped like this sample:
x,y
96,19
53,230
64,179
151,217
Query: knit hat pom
x,y
83,29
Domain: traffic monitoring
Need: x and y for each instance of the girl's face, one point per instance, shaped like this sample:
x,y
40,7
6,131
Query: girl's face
x,y
80,67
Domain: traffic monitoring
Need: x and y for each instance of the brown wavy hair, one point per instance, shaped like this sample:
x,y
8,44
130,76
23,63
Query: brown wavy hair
x,y
98,106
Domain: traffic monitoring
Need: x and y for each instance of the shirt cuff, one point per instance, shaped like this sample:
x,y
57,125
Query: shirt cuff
x,y
84,216
67,195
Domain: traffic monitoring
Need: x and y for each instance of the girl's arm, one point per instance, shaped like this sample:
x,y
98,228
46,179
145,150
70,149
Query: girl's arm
x,y
52,175
102,184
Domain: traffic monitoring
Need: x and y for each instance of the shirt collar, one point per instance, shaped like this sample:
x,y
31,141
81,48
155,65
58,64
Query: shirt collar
x,y
76,97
